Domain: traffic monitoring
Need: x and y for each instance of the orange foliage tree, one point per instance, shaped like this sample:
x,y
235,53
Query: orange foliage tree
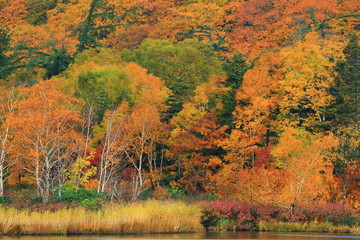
x,y
13,13
250,184
197,155
143,129
45,134
162,19
142,132
257,102
261,24
303,156
278,84
8,100
296,173
195,135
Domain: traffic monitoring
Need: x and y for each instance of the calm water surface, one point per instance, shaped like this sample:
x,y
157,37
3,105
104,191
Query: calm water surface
x,y
225,235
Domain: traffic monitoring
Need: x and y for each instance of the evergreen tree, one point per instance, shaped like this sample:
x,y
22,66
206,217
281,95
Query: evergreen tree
x,y
89,31
4,60
179,93
346,89
29,59
235,68
345,113
55,63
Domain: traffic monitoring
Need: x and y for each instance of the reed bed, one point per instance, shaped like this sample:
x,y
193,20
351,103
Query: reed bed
x,y
147,217
306,227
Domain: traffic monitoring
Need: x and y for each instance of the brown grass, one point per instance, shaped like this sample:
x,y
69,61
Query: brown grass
x,y
148,217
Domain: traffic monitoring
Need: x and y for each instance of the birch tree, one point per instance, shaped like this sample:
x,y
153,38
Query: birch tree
x,y
8,99
45,133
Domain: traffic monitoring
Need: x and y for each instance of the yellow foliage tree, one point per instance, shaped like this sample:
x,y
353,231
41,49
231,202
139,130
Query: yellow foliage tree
x,y
307,79
302,156
80,172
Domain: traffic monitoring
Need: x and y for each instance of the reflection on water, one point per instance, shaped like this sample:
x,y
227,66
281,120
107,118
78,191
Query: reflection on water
x,y
222,235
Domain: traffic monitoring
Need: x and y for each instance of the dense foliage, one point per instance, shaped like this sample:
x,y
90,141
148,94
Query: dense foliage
x,y
255,101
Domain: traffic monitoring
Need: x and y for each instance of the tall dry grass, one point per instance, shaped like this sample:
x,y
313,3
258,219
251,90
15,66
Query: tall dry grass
x,y
147,217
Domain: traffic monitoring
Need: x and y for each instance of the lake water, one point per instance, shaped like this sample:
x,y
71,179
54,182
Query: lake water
x,y
224,235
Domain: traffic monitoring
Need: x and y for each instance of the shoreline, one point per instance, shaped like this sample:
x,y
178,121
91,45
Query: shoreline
x,y
157,217
357,232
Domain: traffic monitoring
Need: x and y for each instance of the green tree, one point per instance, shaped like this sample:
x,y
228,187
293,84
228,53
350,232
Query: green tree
x,y
30,59
4,59
94,93
183,66
12,58
55,63
345,112
346,89
90,31
235,68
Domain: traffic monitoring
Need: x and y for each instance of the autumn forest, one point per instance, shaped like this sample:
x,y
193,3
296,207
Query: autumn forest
x,y
254,101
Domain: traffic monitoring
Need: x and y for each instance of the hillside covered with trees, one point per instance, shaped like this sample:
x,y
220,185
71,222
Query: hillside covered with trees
x,y
248,100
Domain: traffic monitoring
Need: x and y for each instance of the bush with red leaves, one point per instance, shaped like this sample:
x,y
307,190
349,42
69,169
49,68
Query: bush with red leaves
x,y
233,215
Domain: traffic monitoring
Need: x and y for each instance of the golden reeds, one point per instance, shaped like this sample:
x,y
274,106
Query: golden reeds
x,y
147,217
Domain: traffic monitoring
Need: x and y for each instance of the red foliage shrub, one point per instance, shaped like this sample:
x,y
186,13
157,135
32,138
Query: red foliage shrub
x,y
245,215
20,203
326,211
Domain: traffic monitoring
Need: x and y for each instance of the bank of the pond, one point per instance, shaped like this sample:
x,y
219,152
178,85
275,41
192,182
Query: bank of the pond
x,y
147,217
176,217
242,216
